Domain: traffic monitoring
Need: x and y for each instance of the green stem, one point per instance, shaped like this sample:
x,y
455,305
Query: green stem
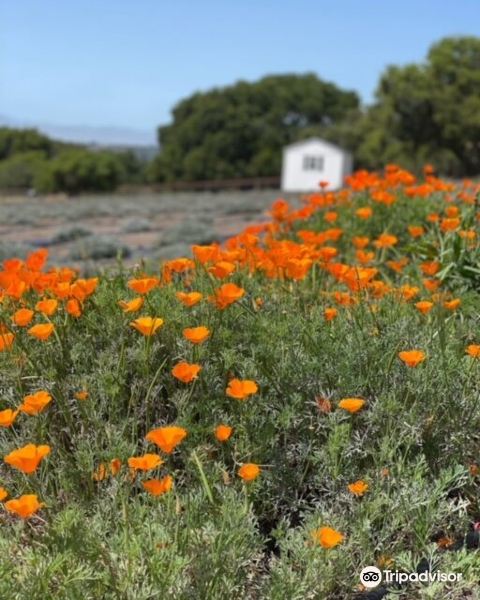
x,y
203,478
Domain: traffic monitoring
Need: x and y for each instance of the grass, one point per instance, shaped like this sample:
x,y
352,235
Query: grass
x,y
414,443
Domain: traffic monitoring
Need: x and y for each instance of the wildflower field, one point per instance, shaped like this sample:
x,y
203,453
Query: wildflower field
x,y
257,420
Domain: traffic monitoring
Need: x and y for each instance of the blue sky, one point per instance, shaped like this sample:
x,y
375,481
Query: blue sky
x,y
126,63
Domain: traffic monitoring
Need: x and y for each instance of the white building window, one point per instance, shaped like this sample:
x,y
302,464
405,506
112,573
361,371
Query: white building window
x,y
313,163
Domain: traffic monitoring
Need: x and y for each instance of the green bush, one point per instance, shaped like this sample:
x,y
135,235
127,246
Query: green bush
x,y
21,170
77,171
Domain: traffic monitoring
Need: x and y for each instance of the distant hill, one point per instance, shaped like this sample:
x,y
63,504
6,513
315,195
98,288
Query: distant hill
x,y
120,137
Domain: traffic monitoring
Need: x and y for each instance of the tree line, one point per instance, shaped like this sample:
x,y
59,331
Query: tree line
x,y
427,112
31,160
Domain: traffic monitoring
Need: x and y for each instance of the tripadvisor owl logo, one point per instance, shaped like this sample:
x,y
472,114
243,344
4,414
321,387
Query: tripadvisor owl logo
x,y
371,577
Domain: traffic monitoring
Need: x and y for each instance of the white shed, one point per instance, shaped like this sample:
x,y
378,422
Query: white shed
x,y
310,161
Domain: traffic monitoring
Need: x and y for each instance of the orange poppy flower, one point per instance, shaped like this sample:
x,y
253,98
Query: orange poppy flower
x,y
196,335
115,466
330,314
6,340
37,259
408,292
430,268
7,417
62,289
416,230
186,372
452,211
24,506
351,405
206,254
35,403
433,218
157,487
468,234
473,350
167,438
47,307
222,269
28,458
178,265
327,253
22,317
131,305
249,471
344,298
330,216
424,306
3,494
100,472
74,308
147,325
452,304
189,298
42,331
412,358
428,169
360,242
449,224
145,462
241,389
223,432
383,197
298,268
16,289
398,265
81,395
358,488
83,288
327,537
364,212
143,286
474,470
385,240
431,284
227,294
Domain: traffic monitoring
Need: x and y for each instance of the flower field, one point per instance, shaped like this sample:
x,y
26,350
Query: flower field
x,y
257,420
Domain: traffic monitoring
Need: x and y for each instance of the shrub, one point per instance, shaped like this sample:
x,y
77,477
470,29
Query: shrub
x,y
70,234
189,231
21,170
137,225
98,248
76,171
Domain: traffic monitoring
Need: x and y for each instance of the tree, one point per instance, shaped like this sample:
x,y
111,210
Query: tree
x,y
240,130
20,170
424,113
14,141
75,171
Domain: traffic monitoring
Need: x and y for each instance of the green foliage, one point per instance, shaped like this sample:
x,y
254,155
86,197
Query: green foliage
x,y
425,113
16,141
77,171
20,171
30,159
240,130
213,536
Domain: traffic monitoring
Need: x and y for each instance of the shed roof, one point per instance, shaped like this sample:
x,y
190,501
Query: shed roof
x,y
316,139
